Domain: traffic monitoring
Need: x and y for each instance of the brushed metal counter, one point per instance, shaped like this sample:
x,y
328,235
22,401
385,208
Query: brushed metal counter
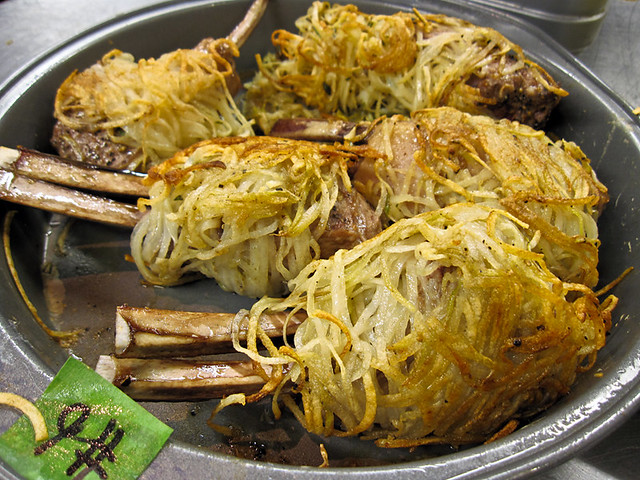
x,y
31,27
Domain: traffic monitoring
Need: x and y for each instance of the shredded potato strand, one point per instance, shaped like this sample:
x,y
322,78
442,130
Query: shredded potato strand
x,y
452,336
361,66
65,338
549,186
247,212
157,105
30,410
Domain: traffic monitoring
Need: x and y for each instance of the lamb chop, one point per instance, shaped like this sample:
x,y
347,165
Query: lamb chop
x,y
442,329
357,66
249,212
441,156
437,158
131,115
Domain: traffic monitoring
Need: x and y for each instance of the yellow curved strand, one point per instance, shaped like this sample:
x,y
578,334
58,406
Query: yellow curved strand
x,y
360,66
340,324
371,406
234,399
66,338
30,410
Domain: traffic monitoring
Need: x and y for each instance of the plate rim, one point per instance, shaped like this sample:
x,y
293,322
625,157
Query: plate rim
x,y
628,398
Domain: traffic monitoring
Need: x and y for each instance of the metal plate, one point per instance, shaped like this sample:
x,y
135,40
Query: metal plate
x,y
94,277
573,23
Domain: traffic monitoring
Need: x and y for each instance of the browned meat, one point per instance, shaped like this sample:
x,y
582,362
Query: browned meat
x,y
358,66
352,220
95,148
397,139
518,96
505,84
98,138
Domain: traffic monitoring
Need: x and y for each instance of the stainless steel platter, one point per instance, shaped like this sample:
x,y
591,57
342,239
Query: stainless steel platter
x,y
91,276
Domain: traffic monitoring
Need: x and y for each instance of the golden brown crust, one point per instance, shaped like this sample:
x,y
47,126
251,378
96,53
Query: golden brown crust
x,y
358,66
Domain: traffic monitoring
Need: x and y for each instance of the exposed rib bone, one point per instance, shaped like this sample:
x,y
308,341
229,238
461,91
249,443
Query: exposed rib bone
x,y
318,130
242,31
23,190
146,332
179,380
54,169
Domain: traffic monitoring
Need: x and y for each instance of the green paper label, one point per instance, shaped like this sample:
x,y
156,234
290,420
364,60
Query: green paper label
x,y
95,431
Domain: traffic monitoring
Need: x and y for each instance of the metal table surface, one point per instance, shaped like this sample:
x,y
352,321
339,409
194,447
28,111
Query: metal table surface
x,y
31,27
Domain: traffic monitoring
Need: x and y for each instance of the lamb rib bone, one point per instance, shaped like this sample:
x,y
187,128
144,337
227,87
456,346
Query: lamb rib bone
x,y
30,178
319,129
179,379
242,31
23,190
55,169
168,336
155,333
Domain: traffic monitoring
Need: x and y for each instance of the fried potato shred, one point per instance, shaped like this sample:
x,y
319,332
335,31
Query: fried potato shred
x,y
360,66
245,211
158,105
65,338
30,410
455,330
458,157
